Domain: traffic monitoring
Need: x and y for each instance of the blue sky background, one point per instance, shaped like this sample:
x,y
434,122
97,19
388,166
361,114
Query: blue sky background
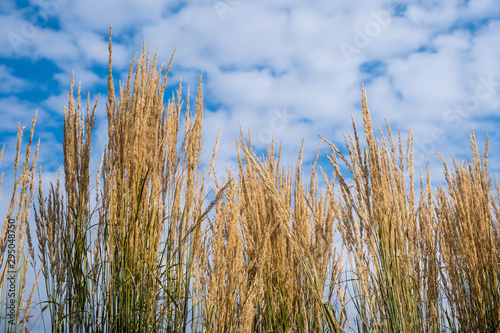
x,y
292,69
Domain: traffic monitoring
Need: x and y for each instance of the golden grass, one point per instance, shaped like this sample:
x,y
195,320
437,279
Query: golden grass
x,y
154,256
270,245
470,243
386,239
14,239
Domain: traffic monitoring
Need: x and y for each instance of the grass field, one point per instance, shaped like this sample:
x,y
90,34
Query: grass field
x,y
155,255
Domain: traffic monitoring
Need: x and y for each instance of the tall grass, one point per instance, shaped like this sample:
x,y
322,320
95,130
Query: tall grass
x,y
389,237
469,241
16,249
273,251
126,265
269,251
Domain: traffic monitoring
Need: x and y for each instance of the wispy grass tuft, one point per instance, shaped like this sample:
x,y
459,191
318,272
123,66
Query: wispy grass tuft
x,y
16,249
469,241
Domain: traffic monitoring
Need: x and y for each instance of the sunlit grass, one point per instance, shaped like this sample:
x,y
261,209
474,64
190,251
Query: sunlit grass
x,y
154,255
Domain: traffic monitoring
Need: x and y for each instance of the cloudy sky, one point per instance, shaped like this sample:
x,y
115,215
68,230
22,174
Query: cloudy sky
x,y
292,69
284,68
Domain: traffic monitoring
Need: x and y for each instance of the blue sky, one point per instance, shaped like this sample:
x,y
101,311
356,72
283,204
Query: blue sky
x,y
281,68
292,69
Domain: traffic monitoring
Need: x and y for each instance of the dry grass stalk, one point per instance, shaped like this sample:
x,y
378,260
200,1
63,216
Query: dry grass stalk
x,y
14,239
63,225
131,270
380,228
269,252
470,244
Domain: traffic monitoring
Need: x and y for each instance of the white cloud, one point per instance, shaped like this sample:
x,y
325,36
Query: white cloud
x,y
14,111
481,8
10,83
261,56
7,6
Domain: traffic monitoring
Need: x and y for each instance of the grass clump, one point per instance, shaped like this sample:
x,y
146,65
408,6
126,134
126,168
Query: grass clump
x,y
271,252
270,244
126,265
16,249
388,237
469,241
